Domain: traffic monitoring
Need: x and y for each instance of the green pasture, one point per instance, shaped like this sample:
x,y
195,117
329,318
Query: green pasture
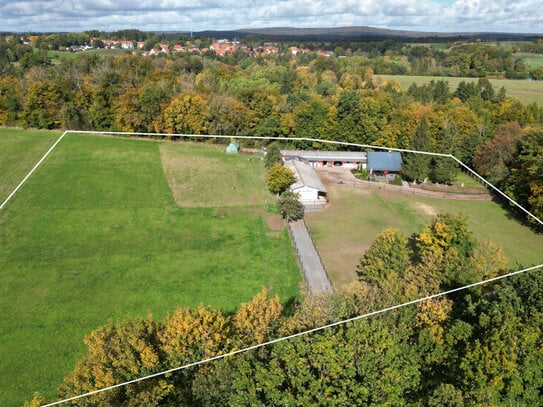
x,y
96,234
532,60
523,90
56,56
19,152
356,215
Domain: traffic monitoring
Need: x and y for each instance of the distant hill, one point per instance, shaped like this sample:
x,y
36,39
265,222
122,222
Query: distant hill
x,y
358,33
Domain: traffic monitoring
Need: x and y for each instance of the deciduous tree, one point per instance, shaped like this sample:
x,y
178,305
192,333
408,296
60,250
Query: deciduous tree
x,y
279,178
289,206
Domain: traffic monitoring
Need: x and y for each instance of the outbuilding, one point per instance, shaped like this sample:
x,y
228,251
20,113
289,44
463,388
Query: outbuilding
x,y
308,186
384,164
232,148
317,158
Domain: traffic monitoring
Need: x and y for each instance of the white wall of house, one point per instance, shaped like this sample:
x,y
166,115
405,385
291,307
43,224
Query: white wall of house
x,y
307,194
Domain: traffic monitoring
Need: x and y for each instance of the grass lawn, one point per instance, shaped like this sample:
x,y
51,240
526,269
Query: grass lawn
x,y
356,215
525,91
240,177
531,60
96,234
19,152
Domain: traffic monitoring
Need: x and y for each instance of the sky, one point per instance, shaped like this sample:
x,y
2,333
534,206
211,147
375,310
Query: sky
x,y
513,16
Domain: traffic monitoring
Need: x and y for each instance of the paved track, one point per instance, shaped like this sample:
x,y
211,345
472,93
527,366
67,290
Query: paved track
x,y
310,262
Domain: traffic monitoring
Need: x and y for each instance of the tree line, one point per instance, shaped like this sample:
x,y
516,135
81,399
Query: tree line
x,y
280,95
480,346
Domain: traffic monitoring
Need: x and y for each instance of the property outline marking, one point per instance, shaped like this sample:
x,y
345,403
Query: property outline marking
x,y
32,171
285,338
317,329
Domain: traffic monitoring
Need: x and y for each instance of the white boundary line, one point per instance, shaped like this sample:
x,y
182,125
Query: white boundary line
x,y
284,338
341,143
383,310
32,171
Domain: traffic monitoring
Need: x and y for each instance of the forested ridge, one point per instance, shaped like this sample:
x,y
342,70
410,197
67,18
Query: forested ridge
x,y
481,346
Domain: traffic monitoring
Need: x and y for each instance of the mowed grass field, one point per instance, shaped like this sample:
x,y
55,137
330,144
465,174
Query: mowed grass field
x,y
347,228
523,90
19,152
96,234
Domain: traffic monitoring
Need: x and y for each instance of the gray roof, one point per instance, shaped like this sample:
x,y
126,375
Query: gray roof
x,y
316,155
381,161
305,176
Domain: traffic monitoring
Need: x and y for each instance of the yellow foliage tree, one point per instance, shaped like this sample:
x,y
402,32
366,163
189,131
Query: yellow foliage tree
x,y
256,320
189,335
187,113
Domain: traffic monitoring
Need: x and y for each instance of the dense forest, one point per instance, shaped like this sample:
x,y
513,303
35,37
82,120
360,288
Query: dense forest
x,y
480,346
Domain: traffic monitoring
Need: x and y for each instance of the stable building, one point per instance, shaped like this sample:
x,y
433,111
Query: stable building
x,y
310,189
319,159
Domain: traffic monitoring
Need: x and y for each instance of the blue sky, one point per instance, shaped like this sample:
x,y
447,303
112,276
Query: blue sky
x,y
523,16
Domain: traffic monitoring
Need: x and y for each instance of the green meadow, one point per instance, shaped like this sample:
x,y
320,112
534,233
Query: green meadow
x,y
96,234
19,151
523,90
347,228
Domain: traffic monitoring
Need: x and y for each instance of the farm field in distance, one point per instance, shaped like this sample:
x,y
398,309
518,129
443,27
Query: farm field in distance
x,y
96,234
524,90
347,228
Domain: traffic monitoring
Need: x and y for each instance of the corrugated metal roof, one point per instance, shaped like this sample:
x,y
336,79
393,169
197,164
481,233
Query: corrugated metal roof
x,y
316,155
389,161
305,176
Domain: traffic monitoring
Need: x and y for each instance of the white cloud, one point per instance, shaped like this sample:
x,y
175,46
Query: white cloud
x,y
421,15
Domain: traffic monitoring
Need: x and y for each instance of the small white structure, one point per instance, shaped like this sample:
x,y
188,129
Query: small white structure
x,y
308,185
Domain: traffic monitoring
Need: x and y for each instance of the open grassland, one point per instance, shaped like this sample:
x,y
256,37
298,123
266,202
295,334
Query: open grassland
x,y
238,180
523,90
356,215
19,151
57,56
532,60
96,234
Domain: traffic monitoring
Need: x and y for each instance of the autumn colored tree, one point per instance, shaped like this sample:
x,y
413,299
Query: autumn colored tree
x,y
42,105
118,352
257,320
385,262
279,178
230,116
186,114
445,232
494,157
10,101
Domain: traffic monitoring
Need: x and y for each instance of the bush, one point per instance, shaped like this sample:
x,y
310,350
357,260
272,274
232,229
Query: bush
x,y
397,180
289,206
